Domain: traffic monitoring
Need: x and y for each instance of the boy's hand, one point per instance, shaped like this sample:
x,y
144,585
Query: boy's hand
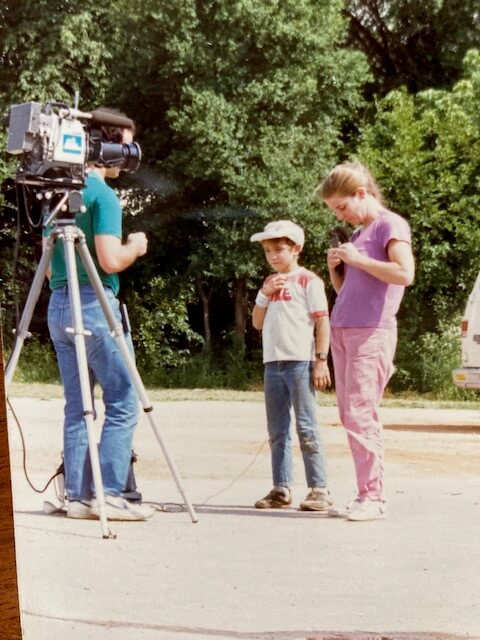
x,y
321,374
275,284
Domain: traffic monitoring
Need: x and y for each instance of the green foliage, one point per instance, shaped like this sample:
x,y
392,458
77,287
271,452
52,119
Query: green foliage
x,y
431,358
17,262
162,335
37,363
241,107
251,97
425,152
228,368
50,49
418,45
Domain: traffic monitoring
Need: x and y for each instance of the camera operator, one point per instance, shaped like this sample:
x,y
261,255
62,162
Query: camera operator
x,y
102,225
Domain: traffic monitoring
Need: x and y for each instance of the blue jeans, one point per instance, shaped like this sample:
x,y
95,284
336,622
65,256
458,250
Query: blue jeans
x,y
287,384
107,368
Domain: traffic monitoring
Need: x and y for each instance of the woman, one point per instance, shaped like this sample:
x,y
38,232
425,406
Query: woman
x,y
378,265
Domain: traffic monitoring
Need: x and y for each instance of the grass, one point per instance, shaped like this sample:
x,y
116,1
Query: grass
x,y
48,391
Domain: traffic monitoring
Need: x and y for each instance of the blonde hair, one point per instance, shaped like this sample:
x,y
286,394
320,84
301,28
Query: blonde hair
x,y
346,178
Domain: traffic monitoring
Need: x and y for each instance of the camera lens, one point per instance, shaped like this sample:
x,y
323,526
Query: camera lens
x,y
114,154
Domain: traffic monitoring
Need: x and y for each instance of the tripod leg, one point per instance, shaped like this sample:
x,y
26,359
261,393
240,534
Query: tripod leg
x,y
32,299
117,331
69,236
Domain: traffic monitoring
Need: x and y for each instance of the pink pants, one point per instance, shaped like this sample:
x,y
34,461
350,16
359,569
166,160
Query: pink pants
x,y
363,363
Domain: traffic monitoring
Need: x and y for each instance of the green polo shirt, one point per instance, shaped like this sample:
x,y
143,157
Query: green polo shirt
x,y
103,216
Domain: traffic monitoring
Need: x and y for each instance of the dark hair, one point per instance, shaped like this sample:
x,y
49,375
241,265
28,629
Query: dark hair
x,y
113,133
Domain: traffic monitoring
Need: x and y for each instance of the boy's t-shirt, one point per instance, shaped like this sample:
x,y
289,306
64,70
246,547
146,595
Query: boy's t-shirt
x,y
288,327
363,300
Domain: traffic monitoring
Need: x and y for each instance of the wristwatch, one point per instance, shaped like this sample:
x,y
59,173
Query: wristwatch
x,y
321,356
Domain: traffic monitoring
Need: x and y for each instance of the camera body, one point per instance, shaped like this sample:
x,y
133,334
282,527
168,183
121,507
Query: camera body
x,y
54,143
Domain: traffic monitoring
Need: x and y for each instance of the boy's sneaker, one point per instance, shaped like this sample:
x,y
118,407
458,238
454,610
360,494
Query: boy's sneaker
x,y
278,498
80,509
318,499
118,508
367,510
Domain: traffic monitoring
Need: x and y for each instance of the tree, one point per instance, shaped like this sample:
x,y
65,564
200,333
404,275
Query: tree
x,y
425,151
220,254
244,106
49,49
419,45
52,48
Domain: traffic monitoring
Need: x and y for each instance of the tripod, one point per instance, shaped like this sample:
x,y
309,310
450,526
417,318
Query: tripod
x,y
74,240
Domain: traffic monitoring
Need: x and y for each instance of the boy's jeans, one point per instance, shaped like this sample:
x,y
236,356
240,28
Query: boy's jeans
x,y
287,384
363,363
106,367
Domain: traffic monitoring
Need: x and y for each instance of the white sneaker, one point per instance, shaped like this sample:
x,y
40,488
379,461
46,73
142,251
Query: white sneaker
x,y
118,508
80,509
342,512
367,510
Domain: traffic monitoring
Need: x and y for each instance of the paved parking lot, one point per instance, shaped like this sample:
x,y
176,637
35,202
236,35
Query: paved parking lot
x,y
240,573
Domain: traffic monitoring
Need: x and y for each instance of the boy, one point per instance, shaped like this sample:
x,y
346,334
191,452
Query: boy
x,y
291,310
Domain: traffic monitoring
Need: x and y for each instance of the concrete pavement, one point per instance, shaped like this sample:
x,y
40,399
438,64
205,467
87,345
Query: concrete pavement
x,y
240,573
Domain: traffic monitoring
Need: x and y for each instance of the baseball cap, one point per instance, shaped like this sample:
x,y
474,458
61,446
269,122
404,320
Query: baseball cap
x,y
280,229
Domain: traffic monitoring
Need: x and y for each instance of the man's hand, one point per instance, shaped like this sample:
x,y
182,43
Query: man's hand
x,y
113,256
139,241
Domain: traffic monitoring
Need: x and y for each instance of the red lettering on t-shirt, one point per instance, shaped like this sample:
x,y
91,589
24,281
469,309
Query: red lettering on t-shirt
x,y
282,294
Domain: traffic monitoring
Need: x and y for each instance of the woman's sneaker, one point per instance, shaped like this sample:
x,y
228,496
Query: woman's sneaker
x,y
318,499
343,512
367,510
278,498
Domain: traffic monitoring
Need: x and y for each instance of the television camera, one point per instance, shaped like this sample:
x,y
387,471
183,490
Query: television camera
x,y
55,143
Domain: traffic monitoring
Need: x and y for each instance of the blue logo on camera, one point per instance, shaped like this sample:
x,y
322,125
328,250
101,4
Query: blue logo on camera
x,y
72,144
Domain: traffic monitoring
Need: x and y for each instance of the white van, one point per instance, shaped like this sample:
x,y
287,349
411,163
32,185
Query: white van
x,y
468,377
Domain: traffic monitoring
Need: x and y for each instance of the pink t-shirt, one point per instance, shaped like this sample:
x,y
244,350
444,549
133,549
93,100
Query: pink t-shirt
x,y
363,300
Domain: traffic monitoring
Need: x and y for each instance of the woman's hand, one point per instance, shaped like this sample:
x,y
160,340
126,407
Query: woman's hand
x,y
333,259
347,253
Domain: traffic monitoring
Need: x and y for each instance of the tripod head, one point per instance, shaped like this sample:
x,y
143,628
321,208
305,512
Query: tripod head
x,y
67,202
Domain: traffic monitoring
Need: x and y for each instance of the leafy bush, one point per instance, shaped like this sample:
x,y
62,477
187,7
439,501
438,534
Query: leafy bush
x,y
210,369
37,363
425,152
161,331
425,365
